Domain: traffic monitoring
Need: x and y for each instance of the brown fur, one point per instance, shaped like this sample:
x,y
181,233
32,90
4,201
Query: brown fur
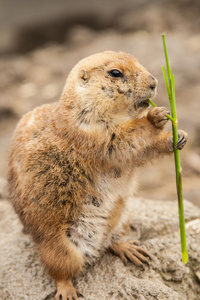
x,y
61,154
116,213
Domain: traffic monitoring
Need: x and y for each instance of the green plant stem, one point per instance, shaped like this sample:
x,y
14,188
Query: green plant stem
x,y
170,86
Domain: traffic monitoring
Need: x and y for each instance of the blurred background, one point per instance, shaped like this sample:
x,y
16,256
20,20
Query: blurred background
x,y
41,40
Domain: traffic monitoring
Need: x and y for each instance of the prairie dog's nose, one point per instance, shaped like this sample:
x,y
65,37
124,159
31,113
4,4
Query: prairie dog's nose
x,y
153,83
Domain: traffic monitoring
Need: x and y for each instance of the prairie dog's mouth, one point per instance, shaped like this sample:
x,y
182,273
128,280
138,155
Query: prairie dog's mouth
x,y
141,104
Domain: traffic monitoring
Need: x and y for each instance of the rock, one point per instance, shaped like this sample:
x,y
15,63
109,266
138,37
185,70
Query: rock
x,y
154,222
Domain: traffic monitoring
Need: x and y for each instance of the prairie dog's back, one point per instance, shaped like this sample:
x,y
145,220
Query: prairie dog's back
x,y
29,165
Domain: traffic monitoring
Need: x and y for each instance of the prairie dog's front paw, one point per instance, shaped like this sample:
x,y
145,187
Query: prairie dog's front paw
x,y
182,140
157,116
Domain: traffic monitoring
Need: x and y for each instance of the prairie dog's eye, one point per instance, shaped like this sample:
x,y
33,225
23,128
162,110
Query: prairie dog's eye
x,y
115,73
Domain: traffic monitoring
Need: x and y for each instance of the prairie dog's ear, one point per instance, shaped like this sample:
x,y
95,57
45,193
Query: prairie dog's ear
x,y
84,75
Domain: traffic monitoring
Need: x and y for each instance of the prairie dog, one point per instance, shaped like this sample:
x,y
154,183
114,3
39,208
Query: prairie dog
x,y
72,164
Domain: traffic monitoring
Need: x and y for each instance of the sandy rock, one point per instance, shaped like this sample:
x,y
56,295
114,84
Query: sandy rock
x,y
154,222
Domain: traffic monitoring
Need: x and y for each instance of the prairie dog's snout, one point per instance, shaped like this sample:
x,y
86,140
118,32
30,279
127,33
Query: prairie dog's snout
x,y
153,83
146,86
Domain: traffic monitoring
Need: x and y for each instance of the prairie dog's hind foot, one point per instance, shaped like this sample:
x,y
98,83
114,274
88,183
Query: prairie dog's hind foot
x,y
66,290
130,250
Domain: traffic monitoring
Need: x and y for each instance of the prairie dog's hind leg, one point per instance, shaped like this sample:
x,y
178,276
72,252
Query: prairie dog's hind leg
x,y
63,261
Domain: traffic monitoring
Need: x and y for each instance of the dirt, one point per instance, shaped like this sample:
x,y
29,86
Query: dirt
x,y
33,76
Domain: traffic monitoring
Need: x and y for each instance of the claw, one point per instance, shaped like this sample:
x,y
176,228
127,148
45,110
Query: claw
x,y
144,252
134,259
79,294
125,262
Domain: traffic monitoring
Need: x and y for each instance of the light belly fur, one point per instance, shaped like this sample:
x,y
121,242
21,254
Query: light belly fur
x,y
93,232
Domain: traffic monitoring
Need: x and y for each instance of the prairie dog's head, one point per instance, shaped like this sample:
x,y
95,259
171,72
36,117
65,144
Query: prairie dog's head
x,y
108,87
